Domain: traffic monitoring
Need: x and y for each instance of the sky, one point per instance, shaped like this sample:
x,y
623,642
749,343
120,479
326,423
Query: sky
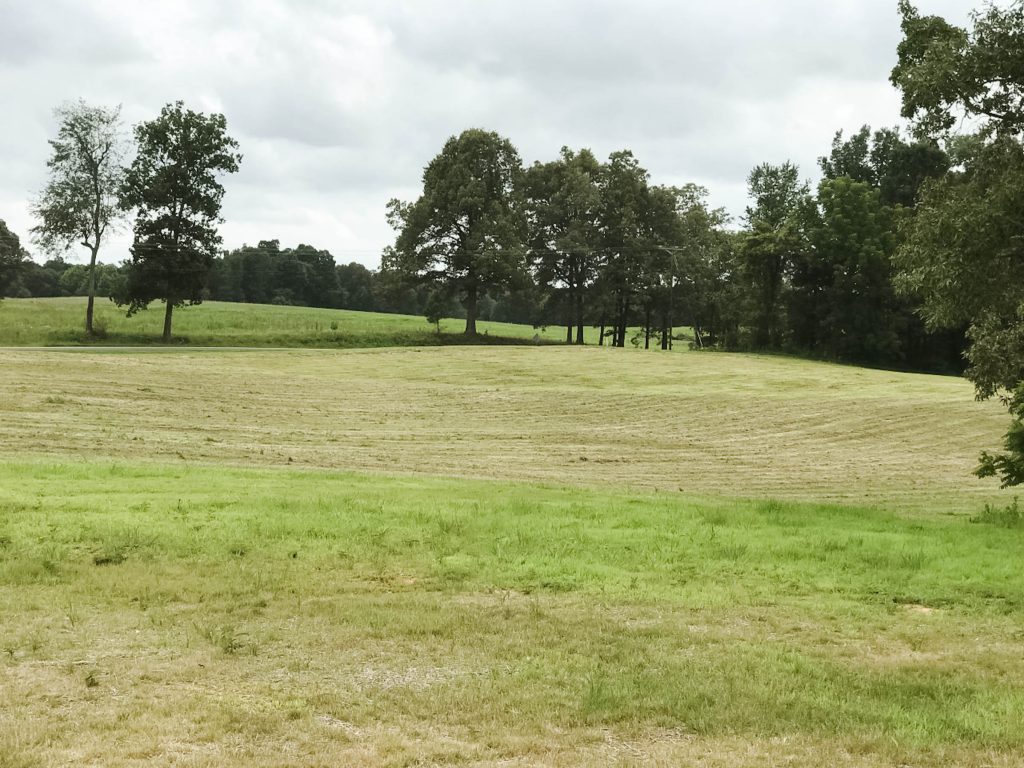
x,y
339,104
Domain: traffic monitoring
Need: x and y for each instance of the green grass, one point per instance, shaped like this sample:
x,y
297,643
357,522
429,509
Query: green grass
x,y
546,556
57,322
231,616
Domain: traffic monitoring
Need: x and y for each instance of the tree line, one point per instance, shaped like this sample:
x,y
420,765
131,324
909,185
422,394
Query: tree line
x,y
595,243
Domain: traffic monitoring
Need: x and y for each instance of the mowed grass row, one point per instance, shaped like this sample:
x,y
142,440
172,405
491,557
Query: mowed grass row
x,y
221,617
711,424
57,322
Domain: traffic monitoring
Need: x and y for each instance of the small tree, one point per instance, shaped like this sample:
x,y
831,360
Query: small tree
x,y
173,183
79,204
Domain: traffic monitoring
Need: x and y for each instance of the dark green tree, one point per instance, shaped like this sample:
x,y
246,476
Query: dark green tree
x,y
466,231
173,184
887,162
562,203
843,304
79,204
12,257
963,254
627,240
946,72
773,241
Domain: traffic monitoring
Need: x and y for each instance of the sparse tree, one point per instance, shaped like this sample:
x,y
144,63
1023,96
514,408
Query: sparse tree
x,y
79,205
174,185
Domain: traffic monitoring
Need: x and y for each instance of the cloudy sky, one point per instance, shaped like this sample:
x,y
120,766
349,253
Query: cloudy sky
x,y
338,104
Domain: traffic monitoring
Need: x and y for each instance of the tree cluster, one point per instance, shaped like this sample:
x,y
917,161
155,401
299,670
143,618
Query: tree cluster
x,y
595,243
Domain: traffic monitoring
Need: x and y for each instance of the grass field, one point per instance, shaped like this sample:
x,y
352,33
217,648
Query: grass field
x,y
548,556
56,322
707,424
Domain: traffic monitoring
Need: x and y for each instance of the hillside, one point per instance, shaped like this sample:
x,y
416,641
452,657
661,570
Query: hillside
x,y
714,423
58,322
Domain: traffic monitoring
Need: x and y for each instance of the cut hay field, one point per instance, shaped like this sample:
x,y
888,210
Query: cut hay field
x,y
701,423
58,322
499,556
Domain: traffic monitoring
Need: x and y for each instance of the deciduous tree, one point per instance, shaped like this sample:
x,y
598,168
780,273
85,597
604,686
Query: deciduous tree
x,y
174,186
964,250
12,257
466,231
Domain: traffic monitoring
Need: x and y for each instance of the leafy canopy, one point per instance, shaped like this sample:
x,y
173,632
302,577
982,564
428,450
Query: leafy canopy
x,y
174,186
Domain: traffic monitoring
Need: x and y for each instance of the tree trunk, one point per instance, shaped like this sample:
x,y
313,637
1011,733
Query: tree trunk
x,y
600,339
647,327
579,318
167,321
623,319
568,332
666,333
91,302
471,311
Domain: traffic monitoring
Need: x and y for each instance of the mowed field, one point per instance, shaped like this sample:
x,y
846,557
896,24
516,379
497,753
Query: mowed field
x,y
56,322
499,556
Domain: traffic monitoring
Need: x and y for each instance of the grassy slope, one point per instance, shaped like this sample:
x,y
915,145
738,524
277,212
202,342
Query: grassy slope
x,y
221,617
50,322
186,611
735,425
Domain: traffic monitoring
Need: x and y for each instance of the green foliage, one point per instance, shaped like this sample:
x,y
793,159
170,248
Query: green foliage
x,y
886,162
173,185
843,300
773,241
963,255
562,199
466,230
946,72
12,257
80,203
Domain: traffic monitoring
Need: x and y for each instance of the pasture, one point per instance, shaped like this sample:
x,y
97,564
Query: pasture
x,y
57,322
499,556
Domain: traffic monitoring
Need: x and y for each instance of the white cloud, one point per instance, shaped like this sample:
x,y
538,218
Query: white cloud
x,y
339,105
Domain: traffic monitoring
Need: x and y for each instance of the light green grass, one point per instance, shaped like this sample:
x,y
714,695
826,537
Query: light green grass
x,y
215,616
55,322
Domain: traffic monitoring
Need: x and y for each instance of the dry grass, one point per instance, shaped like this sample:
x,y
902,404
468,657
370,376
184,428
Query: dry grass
x,y
718,424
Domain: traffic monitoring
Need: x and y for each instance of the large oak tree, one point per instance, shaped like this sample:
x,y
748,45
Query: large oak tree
x,y
466,231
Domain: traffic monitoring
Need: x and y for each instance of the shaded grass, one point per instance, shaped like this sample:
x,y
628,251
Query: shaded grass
x,y
371,620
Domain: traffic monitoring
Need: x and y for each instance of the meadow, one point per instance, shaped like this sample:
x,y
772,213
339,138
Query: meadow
x,y
56,322
500,556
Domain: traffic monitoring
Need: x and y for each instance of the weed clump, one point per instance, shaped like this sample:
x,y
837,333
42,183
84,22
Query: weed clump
x,y
1010,516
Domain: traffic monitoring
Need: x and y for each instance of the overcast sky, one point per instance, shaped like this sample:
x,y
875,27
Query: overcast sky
x,y
338,105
